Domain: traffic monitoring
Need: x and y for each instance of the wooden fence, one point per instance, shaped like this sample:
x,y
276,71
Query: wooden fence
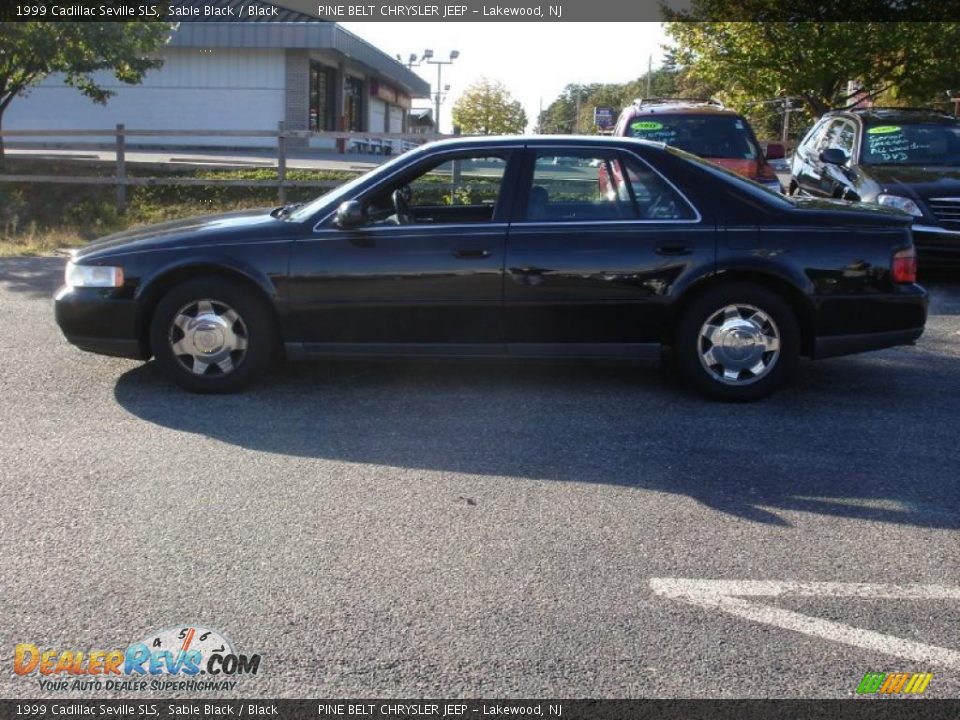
x,y
382,143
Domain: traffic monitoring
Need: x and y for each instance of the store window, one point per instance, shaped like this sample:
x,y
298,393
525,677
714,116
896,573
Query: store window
x,y
353,103
323,115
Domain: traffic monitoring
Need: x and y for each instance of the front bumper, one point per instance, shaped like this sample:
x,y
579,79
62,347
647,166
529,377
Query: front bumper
x,y
97,320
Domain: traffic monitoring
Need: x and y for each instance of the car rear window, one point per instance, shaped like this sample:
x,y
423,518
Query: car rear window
x,y
709,136
911,144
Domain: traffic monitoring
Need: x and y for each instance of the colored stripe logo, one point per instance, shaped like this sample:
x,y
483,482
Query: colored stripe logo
x,y
894,683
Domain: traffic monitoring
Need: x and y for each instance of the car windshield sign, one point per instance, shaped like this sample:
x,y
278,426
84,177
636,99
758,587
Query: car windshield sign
x,y
709,136
911,144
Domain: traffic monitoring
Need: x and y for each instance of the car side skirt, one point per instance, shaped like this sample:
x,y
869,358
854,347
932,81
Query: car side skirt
x,y
304,351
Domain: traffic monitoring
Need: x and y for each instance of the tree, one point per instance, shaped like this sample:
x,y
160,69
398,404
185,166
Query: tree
x,y
487,108
30,51
825,64
561,117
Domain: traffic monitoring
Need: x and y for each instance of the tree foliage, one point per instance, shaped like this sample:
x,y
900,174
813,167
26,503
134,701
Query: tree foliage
x,y
572,112
30,51
487,108
825,64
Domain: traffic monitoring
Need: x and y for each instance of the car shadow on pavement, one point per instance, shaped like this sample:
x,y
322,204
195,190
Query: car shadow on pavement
x,y
871,437
36,277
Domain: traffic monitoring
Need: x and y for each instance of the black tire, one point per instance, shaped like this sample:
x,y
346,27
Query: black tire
x,y
775,319
254,324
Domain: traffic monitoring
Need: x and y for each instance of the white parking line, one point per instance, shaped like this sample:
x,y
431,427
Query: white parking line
x,y
730,597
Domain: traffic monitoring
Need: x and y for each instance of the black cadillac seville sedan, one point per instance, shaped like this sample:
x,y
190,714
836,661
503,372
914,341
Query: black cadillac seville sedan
x,y
509,247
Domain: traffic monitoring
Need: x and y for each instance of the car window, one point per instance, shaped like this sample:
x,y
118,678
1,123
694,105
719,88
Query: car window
x,y
811,139
656,199
565,188
460,181
749,186
911,144
709,136
828,137
842,137
574,187
460,189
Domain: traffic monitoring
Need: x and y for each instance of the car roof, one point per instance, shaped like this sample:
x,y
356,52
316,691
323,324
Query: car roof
x,y
681,109
897,115
539,140
678,106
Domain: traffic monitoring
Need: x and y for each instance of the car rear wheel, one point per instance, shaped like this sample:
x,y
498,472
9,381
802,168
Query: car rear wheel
x,y
737,342
212,335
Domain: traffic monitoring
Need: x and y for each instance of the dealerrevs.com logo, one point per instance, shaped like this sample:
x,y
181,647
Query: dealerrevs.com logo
x,y
182,658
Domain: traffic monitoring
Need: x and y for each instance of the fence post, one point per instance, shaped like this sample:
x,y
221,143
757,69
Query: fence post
x,y
281,163
121,169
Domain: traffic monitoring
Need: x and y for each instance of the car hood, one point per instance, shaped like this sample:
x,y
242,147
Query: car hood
x,y
208,229
917,180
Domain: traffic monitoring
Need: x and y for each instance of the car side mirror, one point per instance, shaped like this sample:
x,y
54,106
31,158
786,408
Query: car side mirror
x,y
834,156
775,151
349,215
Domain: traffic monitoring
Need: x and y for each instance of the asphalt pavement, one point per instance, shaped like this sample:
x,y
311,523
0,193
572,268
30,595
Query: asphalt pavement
x,y
485,530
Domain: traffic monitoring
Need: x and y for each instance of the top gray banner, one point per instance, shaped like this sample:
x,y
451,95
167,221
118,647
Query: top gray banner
x,y
481,10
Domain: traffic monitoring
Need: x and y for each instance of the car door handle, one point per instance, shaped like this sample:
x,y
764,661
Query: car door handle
x,y
673,250
473,254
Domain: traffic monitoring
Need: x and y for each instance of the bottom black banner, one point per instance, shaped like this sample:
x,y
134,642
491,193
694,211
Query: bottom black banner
x,y
852,709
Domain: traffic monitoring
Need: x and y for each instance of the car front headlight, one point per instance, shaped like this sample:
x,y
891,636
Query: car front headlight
x,y
97,276
900,203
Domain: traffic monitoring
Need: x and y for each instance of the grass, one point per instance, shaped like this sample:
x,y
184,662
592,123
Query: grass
x,y
42,218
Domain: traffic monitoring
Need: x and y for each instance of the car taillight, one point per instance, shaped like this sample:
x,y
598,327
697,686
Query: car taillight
x,y
904,266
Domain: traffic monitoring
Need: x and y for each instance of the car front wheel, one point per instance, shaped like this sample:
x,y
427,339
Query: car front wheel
x,y
212,335
737,342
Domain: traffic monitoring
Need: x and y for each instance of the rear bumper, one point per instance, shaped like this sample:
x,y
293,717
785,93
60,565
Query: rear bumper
x,y
98,321
845,325
837,345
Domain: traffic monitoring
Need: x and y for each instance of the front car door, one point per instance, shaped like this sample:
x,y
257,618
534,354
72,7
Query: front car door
x,y
807,169
423,271
598,240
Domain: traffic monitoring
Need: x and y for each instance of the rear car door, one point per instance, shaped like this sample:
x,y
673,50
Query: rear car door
x,y
597,241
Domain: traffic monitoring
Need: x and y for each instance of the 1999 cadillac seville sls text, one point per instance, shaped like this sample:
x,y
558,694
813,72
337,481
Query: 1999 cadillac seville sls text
x,y
509,247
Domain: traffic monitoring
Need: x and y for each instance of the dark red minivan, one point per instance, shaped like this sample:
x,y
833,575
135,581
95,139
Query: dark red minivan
x,y
705,128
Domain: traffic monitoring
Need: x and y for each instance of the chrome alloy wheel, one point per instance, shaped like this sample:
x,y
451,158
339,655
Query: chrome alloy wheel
x,y
208,337
739,344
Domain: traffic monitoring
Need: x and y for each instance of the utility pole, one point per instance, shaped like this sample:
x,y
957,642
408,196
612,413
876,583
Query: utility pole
x,y
649,74
428,58
787,109
576,118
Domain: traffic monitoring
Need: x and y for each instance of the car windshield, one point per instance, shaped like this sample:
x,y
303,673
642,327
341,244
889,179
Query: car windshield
x,y
308,210
911,144
709,136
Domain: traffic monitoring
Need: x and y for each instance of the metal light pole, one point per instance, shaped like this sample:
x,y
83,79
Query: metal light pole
x,y
428,58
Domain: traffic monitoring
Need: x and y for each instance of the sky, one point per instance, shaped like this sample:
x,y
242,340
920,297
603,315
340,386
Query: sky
x,y
535,61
